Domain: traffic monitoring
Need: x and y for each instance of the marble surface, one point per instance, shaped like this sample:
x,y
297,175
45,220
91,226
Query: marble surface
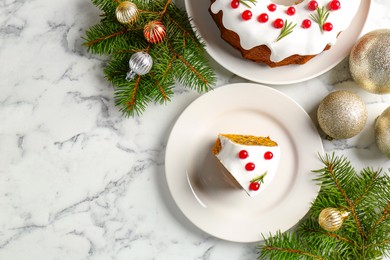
x,y
78,180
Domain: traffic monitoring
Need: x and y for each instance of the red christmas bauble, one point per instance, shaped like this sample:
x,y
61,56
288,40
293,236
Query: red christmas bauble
x,y
154,32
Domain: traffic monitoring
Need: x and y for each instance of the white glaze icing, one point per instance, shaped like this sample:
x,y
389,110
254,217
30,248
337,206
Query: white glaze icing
x,y
301,41
228,156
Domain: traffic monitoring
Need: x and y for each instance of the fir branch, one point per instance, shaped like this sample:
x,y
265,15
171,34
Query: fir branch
x,y
286,30
331,166
285,246
320,17
178,58
363,236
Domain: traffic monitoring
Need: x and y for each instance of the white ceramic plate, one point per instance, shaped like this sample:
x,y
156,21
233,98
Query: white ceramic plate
x,y
199,185
231,59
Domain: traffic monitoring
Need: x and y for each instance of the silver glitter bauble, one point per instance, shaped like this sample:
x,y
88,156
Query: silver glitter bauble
x,y
382,132
332,219
140,63
126,12
342,114
369,61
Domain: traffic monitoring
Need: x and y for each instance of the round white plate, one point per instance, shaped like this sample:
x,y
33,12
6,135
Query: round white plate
x,y
201,187
231,59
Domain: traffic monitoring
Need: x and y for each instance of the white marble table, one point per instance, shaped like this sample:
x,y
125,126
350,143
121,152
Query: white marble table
x,y
78,180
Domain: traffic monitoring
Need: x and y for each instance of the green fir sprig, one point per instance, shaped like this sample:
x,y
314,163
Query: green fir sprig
x,y
288,28
364,235
320,17
245,2
179,58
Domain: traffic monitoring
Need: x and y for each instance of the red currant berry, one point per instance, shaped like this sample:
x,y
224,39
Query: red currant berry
x,y
291,10
250,166
268,155
234,4
327,27
306,23
271,7
254,186
278,23
312,6
263,18
246,15
243,154
334,5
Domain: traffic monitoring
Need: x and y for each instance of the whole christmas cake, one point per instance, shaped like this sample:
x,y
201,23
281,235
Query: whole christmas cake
x,y
277,34
251,160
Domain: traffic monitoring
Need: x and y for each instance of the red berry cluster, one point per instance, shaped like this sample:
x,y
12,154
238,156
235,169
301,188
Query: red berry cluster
x,y
250,166
279,23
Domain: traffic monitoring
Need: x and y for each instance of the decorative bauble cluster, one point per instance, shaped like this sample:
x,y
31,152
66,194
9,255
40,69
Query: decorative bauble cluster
x,y
369,61
141,62
342,114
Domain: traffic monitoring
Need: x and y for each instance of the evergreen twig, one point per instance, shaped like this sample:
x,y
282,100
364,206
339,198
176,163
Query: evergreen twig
x,y
363,236
180,57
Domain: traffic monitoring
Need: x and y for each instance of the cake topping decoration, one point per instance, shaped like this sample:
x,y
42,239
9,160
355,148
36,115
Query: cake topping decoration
x,y
268,155
286,30
243,154
320,17
263,18
246,15
250,166
334,5
291,10
312,6
271,7
306,24
255,182
278,23
245,2
234,4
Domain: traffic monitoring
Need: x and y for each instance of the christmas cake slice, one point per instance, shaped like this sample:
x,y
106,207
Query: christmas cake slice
x,y
251,160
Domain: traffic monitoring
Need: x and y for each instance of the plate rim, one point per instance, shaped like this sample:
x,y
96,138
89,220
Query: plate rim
x,y
169,148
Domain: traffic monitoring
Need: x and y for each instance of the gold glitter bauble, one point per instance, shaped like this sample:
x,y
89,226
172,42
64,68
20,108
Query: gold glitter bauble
x,y
332,219
154,32
342,114
126,12
382,132
369,61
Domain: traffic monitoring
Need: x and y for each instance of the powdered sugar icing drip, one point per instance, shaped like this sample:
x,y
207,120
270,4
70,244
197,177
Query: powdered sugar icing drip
x,y
262,23
253,167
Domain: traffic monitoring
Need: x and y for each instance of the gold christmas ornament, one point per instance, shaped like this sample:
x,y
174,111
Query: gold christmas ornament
x,y
332,219
126,12
154,32
382,132
369,61
342,114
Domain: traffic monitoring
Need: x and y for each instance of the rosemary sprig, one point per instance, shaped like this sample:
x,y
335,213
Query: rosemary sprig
x,y
244,2
286,30
320,17
259,178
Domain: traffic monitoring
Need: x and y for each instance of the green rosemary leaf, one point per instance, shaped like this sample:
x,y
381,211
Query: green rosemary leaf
x,y
286,30
244,2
